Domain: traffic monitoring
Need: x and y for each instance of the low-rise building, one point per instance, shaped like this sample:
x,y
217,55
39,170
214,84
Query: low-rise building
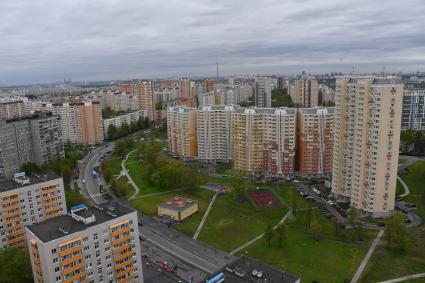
x,y
90,244
127,118
178,208
246,269
27,200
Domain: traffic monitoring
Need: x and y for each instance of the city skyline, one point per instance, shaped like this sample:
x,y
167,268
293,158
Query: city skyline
x,y
47,41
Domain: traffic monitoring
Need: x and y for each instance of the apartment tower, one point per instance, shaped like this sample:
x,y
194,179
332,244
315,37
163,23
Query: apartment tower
x,y
413,111
366,142
27,200
264,141
263,92
89,244
305,92
315,141
214,133
147,98
182,131
81,121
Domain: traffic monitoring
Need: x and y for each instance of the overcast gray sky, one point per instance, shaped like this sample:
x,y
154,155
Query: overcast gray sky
x,y
48,40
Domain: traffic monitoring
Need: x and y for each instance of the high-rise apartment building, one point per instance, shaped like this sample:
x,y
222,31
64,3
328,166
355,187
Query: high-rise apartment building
x,y
263,91
208,85
264,141
315,141
27,200
185,88
81,121
214,133
413,111
366,142
124,87
166,85
305,92
11,109
96,244
147,98
35,139
120,101
181,129
211,98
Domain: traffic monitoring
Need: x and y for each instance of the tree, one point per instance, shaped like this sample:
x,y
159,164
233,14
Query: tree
x,y
307,218
268,234
30,168
112,132
237,183
397,235
281,231
15,266
315,229
356,224
120,147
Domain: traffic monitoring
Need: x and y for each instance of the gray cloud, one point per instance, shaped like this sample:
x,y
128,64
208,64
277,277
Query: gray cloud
x,y
48,40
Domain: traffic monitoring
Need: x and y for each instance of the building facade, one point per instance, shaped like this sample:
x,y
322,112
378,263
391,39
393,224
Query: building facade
x,y
96,244
208,85
182,131
263,92
366,142
264,141
413,111
36,139
305,92
12,109
81,121
128,118
214,133
185,88
147,100
27,200
315,141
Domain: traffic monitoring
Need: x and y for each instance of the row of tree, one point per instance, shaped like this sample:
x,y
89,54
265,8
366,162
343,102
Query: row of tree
x,y
125,129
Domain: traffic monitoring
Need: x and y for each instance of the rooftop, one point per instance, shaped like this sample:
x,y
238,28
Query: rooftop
x,y
178,203
61,226
246,269
11,184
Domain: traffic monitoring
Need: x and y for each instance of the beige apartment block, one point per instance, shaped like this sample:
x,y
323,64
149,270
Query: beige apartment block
x,y
264,141
147,98
27,200
366,142
182,131
81,121
90,244
11,109
305,92
315,141
214,133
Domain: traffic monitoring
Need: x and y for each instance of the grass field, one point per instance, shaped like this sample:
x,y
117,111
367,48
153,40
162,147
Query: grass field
x,y
232,223
415,180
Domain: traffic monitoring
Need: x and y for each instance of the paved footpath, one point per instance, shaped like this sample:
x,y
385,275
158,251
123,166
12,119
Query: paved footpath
x,y
367,257
406,188
198,230
404,278
125,172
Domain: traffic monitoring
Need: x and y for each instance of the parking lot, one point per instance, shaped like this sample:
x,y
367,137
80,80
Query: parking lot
x,y
328,207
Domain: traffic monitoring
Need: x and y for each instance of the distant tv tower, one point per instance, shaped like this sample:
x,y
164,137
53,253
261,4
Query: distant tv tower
x,y
217,67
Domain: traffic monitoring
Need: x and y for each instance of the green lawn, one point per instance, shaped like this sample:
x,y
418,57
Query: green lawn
x,y
401,160
332,258
415,180
232,223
